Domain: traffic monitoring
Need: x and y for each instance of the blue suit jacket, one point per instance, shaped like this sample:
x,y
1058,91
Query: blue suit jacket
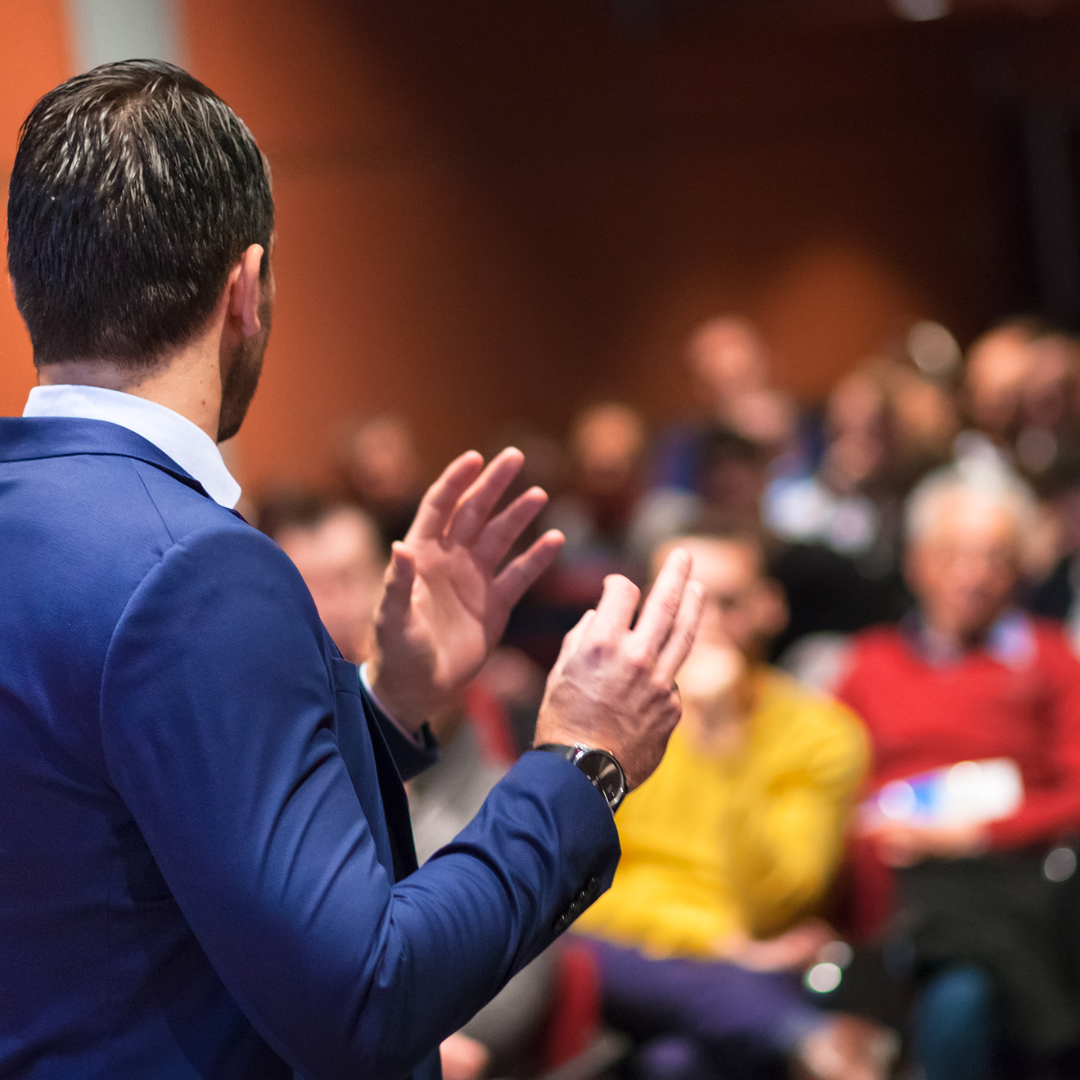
x,y
204,840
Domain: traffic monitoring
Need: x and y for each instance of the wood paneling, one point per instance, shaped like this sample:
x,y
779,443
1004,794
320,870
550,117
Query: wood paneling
x,y
491,213
34,56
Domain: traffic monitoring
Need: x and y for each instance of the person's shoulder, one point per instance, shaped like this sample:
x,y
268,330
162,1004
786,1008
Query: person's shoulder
x,y
1053,643
794,704
216,542
810,729
875,646
183,509
886,637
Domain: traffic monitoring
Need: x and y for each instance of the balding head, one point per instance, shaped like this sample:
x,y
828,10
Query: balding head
x,y
966,529
728,356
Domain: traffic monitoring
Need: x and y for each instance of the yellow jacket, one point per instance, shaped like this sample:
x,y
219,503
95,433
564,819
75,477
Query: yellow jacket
x,y
714,844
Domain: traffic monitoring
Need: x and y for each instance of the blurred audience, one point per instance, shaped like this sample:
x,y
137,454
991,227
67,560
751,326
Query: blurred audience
x,y
998,364
729,365
840,524
941,500
596,514
607,445
501,1039
728,852
731,477
380,471
973,709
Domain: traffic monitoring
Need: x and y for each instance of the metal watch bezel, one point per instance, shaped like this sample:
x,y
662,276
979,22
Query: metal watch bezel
x,y
601,777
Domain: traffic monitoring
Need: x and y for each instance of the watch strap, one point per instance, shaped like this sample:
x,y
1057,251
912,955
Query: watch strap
x,y
575,753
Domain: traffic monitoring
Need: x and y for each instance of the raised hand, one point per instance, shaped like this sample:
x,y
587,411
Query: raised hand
x,y
613,687
446,601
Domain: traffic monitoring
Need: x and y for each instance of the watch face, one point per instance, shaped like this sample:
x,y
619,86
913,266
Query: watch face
x,y
605,773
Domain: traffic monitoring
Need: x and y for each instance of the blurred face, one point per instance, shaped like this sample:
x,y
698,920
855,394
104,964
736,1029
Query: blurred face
x,y
383,464
727,357
607,445
964,570
857,427
925,417
997,370
342,565
742,608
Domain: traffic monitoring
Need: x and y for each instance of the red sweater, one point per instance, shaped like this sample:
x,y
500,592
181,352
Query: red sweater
x,y
924,716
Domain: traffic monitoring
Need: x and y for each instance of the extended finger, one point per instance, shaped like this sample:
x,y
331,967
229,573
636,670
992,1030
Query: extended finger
x,y
617,606
475,506
501,532
439,501
663,603
681,639
521,572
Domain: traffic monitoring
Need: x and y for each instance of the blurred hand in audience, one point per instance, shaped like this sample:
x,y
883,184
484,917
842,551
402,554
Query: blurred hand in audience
x,y
463,1058
901,844
792,951
742,609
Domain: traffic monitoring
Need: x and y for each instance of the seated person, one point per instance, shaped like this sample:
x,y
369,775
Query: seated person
x,y
728,851
501,1039
980,880
339,553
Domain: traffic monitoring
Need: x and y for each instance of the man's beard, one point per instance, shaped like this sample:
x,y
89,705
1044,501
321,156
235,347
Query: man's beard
x,y
242,378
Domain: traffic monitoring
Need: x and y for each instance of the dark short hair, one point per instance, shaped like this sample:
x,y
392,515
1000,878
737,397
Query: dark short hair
x,y
716,525
289,507
720,445
134,192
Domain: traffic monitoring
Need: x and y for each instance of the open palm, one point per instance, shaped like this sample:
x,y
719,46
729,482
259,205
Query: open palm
x,y
447,597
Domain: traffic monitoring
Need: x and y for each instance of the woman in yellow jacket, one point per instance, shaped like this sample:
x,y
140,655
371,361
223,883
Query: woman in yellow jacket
x,y
728,850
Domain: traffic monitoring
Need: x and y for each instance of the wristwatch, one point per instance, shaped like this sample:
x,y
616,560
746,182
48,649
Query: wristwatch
x,y
599,766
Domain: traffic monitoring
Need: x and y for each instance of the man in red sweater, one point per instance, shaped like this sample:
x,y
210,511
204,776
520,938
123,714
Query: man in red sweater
x,y
981,900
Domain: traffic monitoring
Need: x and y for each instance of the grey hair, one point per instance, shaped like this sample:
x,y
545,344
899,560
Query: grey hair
x,y
982,482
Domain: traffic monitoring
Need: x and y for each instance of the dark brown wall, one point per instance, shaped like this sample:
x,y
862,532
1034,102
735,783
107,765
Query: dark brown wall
x,y
491,213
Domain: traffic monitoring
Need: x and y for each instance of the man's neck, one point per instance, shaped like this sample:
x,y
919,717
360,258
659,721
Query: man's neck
x,y
188,380
943,641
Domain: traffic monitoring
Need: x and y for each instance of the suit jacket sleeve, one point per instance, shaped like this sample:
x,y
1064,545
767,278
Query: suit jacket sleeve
x,y
217,716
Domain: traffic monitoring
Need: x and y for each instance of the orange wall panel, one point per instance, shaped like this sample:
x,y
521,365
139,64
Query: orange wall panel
x,y
34,57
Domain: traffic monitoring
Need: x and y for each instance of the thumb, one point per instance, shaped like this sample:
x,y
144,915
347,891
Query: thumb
x,y
397,585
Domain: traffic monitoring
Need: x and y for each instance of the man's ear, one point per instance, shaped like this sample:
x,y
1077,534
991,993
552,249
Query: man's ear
x,y
245,290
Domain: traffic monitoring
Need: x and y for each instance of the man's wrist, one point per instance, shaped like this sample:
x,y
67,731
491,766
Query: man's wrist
x,y
367,680
601,767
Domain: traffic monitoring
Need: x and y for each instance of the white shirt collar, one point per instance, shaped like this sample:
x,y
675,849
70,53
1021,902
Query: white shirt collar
x,y
174,435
